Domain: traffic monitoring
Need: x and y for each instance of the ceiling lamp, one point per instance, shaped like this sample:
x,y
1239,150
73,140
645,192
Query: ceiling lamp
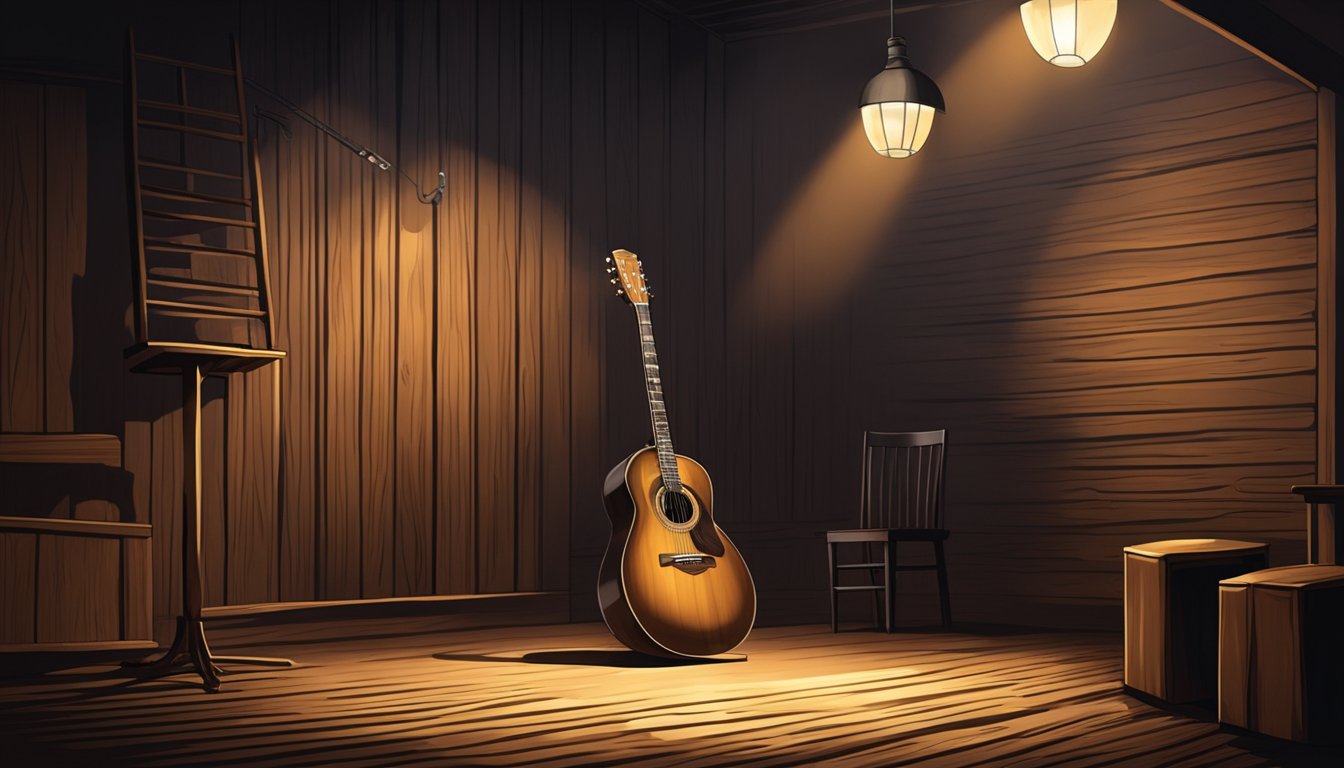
x,y
1068,33
898,105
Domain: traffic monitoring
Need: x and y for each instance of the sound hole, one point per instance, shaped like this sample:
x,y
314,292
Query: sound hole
x,y
677,507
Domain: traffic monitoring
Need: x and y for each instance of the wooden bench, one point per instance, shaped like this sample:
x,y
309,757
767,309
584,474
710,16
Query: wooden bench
x,y
68,582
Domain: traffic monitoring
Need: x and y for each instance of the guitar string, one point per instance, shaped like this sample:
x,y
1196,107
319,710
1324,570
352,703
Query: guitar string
x,y
671,502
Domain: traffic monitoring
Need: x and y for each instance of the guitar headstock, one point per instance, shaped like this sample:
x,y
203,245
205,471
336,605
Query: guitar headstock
x,y
628,276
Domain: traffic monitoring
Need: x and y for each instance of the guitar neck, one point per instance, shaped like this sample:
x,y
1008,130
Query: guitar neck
x,y
653,386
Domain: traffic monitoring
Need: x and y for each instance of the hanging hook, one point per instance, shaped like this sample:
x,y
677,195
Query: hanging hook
x,y
435,197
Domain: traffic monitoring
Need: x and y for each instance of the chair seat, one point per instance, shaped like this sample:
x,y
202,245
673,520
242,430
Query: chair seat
x,y
171,357
887,534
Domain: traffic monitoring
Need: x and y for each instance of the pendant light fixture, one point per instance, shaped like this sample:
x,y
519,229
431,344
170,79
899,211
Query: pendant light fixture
x,y
899,103
1068,33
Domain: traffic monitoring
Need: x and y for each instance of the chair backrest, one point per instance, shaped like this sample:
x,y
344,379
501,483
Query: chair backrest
x,y
196,218
904,476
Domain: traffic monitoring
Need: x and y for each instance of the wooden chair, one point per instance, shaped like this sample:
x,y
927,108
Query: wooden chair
x,y
202,288
902,499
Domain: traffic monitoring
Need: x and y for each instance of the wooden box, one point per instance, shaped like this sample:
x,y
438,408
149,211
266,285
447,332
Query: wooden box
x,y
1281,652
1171,613
75,571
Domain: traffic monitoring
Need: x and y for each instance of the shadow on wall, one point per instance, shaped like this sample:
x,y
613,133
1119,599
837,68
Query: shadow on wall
x,y
1099,280
840,219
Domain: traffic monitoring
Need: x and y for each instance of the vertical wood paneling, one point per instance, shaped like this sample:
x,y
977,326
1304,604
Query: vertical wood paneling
x,y
215,487
496,285
66,227
377,60
588,245
530,213
682,270
253,441
137,580
733,484
21,237
455,302
709,401
18,587
78,602
554,315
347,219
295,180
446,412
160,395
418,150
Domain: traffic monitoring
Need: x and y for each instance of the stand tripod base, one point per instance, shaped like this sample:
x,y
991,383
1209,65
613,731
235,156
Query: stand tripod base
x,y
190,649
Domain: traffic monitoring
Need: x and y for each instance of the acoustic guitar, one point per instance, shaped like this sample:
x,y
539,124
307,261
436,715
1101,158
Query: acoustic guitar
x,y
671,582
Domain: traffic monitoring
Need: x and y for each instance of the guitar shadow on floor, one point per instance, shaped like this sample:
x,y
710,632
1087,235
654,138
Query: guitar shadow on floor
x,y
591,657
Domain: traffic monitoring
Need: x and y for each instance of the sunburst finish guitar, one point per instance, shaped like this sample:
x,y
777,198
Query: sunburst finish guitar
x,y
671,583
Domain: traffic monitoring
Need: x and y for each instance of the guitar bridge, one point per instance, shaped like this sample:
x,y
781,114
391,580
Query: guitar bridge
x,y
691,564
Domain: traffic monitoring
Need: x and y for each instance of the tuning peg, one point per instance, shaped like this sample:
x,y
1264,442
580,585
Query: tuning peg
x,y
610,270
613,281
608,259
620,292
649,294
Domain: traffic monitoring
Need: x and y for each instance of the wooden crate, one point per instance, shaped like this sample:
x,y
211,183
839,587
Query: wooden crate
x,y
1171,613
1281,652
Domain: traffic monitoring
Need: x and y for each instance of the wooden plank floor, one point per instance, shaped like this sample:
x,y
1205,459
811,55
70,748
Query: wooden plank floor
x,y
404,692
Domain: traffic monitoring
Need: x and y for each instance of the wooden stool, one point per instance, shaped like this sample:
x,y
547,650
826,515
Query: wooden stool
x,y
1171,613
1281,652
1325,531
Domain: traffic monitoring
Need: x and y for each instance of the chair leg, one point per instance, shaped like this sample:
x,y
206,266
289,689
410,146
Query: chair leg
x,y
872,580
835,596
889,560
944,598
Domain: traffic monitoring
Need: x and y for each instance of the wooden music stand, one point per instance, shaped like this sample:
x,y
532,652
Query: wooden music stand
x,y
202,285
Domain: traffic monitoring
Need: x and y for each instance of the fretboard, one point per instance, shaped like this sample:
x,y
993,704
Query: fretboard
x,y
653,385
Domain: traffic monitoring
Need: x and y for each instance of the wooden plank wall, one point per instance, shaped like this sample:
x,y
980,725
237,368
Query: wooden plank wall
x,y
447,413
1100,281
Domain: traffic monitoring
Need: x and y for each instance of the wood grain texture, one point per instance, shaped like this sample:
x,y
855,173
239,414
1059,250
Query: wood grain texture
x,y
344,220
419,145
407,691
455,393
66,208
22,236
556,362
656,608
1108,299
78,580
18,587
1103,287
137,584
498,137
376,52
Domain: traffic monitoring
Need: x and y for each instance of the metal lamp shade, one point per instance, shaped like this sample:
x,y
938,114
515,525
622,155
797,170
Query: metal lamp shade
x,y
898,105
1068,33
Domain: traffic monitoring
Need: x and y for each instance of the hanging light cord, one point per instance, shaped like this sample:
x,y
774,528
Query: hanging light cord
x,y
433,198
891,14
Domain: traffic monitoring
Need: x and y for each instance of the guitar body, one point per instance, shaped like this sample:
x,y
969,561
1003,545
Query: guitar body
x,y
667,588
